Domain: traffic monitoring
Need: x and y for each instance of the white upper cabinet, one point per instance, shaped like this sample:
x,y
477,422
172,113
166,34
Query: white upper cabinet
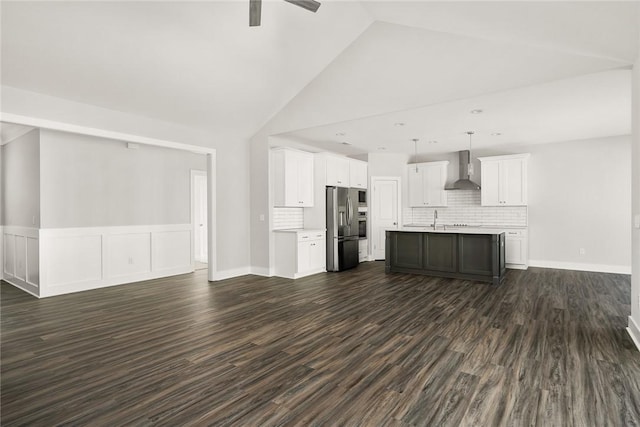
x,y
357,173
338,171
426,184
504,180
292,173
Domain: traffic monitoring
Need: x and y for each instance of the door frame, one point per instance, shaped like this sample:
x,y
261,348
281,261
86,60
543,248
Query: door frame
x,y
372,218
194,174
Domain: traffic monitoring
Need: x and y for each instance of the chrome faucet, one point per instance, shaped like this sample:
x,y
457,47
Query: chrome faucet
x,y
435,218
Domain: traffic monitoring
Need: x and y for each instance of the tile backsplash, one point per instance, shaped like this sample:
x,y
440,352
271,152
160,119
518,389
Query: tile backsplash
x,y
464,208
285,218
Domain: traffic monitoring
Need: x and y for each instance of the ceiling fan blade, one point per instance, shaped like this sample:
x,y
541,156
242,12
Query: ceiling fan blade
x,y
255,12
311,5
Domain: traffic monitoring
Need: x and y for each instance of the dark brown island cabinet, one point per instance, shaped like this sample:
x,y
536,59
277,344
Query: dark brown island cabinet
x,y
474,256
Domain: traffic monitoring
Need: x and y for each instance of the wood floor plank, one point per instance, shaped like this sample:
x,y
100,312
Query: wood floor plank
x,y
360,347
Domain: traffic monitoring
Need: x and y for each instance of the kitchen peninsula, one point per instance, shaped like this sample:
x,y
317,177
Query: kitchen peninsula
x,y
461,253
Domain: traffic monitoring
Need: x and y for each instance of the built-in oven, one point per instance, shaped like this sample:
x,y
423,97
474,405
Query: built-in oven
x,y
362,224
362,197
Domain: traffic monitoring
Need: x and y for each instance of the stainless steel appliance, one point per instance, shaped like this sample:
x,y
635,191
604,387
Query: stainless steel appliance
x,y
342,228
362,223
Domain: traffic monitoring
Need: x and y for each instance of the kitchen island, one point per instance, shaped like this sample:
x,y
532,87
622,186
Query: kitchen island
x,y
467,253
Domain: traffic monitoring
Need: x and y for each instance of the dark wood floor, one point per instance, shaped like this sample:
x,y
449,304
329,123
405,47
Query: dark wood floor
x,y
547,348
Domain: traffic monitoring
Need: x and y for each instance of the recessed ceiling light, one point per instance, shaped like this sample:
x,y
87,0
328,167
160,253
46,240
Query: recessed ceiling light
x,y
476,111
345,143
433,141
496,134
398,124
382,148
340,134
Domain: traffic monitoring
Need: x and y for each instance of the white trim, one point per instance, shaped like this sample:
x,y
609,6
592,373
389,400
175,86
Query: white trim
x,y
262,271
634,332
212,241
516,266
600,268
101,133
22,287
25,233
234,272
78,259
194,173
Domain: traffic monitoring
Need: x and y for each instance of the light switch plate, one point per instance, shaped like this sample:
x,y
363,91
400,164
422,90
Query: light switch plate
x,y
636,221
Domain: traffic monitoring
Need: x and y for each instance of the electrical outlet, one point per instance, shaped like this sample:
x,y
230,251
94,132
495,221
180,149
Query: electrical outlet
x,y
261,217
582,251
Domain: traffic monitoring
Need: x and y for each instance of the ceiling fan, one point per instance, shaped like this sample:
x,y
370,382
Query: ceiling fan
x,y
255,9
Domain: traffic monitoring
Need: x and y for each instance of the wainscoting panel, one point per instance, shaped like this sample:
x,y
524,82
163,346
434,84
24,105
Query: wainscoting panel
x,y
33,261
9,254
78,259
171,250
128,254
20,258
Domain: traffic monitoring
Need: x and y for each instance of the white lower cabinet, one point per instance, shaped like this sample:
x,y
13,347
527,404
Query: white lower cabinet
x,y
299,253
517,249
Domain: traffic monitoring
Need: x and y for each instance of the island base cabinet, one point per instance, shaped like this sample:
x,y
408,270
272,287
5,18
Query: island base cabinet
x,y
465,256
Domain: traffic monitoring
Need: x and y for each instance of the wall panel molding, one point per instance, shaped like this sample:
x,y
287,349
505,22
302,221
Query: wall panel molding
x,y
20,257
78,259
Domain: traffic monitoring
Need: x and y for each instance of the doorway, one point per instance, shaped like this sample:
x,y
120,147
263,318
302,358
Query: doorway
x,y
385,211
199,218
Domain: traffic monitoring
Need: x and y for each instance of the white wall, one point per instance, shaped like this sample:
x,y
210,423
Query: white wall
x,y
89,182
634,320
21,181
579,197
232,171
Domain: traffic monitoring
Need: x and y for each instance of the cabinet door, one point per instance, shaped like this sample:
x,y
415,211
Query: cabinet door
x,y
434,178
304,184
317,255
406,250
514,182
490,185
357,174
337,171
440,252
416,187
304,256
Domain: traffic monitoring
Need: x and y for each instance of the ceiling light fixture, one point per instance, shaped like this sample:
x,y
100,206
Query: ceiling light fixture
x,y
496,134
399,124
340,134
476,111
345,143
382,148
433,141
470,164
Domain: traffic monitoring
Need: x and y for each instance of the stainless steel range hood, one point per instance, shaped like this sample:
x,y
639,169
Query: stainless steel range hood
x,y
464,183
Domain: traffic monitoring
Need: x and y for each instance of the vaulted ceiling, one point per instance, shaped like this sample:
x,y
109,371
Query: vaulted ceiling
x,y
348,66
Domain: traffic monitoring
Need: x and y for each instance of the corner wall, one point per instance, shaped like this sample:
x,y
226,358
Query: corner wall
x,y
232,156
634,319
20,206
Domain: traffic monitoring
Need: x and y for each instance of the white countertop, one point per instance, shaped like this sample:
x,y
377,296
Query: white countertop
x,y
452,229
301,230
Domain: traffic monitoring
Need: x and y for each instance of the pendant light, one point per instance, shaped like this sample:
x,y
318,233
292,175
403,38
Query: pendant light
x,y
470,164
415,150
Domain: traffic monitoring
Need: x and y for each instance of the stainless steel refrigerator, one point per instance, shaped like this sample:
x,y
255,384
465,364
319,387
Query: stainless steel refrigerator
x,y
342,228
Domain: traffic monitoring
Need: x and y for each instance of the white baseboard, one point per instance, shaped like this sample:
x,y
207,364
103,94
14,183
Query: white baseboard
x,y
231,273
516,266
261,271
634,332
23,286
600,268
